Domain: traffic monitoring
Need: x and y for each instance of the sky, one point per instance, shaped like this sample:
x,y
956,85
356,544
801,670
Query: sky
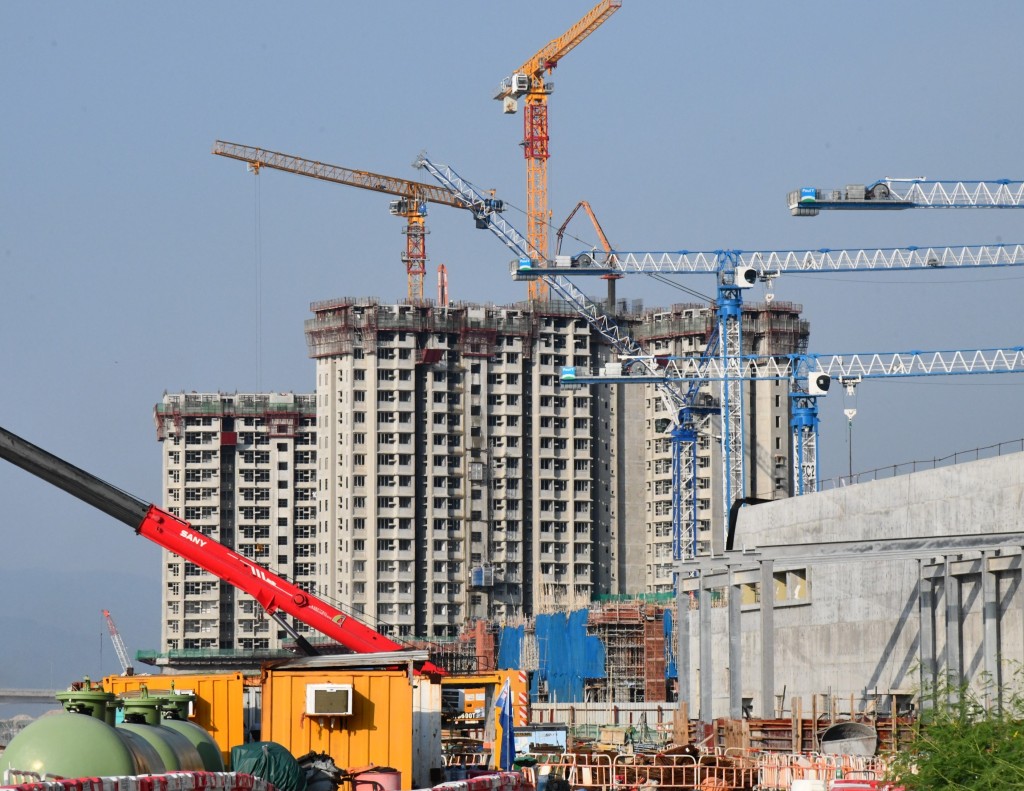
x,y
136,263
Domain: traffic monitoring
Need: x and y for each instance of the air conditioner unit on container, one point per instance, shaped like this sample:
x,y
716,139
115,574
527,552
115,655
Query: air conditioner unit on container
x,y
329,700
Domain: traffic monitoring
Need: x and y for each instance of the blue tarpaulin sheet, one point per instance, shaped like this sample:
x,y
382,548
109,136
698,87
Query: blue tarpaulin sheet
x,y
510,648
670,646
567,655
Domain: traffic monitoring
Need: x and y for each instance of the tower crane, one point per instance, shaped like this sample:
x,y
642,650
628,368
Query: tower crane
x,y
119,648
528,82
736,270
812,374
411,202
912,193
739,269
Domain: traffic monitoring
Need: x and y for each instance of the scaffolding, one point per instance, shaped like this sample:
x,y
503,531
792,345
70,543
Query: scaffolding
x,y
634,638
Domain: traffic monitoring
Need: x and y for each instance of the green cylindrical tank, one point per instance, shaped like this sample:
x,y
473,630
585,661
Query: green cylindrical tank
x,y
174,709
142,717
67,744
90,699
146,755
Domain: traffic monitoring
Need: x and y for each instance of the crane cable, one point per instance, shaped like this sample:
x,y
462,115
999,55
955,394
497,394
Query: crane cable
x,y
258,276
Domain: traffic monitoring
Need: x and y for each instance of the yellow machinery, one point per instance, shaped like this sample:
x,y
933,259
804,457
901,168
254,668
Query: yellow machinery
x,y
528,82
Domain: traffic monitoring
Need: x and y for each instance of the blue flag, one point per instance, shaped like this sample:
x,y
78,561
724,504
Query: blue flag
x,y
504,731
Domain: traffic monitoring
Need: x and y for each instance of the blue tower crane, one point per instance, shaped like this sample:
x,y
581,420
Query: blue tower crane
x,y
736,270
914,193
811,376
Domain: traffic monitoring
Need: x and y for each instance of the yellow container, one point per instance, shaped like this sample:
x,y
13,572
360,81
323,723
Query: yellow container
x,y
380,729
219,707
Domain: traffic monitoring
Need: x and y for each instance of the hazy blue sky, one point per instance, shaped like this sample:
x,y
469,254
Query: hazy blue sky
x,y
131,255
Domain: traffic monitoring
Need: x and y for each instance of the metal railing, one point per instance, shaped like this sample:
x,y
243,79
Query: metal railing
x,y
907,467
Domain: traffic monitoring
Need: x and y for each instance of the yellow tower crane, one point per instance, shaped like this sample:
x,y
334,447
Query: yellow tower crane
x,y
411,203
528,82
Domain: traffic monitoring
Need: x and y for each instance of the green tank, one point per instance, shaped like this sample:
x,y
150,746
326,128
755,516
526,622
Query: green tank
x,y
68,744
142,718
81,741
174,710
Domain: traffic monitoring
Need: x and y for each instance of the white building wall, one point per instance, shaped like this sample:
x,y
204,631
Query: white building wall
x,y
240,468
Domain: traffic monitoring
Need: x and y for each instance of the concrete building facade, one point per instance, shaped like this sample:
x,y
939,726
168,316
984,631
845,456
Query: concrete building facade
x,y
241,468
441,472
462,480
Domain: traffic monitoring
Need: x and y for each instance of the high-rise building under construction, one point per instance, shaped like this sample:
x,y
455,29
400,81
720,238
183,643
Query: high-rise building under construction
x,y
442,473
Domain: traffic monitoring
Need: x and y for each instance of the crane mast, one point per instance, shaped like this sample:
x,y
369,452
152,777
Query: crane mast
x,y
119,648
411,203
528,81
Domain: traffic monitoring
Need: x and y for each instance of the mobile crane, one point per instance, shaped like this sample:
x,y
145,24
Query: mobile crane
x,y
119,647
914,193
274,593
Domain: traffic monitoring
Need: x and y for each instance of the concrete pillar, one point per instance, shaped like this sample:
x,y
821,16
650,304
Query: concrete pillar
x,y
683,646
735,649
926,630
990,634
954,628
767,639
707,670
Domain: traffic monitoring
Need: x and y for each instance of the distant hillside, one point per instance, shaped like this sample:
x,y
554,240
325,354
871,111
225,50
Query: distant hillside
x,y
54,632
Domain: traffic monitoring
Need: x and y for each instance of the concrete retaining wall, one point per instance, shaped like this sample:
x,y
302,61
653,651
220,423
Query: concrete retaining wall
x,y
852,626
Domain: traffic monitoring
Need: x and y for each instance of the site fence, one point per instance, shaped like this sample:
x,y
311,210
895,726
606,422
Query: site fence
x,y
730,769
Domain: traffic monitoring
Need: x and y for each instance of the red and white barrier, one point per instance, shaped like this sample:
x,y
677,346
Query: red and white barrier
x,y
172,781
492,781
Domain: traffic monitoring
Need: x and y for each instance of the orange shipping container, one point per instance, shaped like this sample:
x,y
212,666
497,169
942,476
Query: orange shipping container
x,y
395,718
